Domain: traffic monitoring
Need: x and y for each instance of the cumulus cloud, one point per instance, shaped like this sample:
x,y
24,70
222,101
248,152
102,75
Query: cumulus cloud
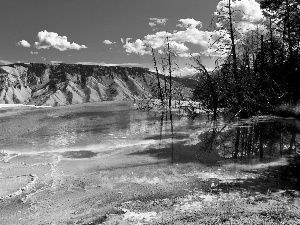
x,y
52,39
137,47
247,13
248,16
156,21
248,10
24,43
33,53
191,33
108,42
189,23
122,40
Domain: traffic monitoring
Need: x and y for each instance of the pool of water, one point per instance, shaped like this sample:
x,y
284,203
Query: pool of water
x,y
88,127
105,126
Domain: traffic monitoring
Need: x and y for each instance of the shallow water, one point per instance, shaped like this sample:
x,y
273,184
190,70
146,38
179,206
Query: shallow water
x,y
90,127
82,131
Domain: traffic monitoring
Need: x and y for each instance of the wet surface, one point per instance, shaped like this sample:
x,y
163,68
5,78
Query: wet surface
x,y
78,154
86,162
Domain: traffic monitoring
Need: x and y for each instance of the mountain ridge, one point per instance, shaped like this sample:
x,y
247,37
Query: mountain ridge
x,y
65,84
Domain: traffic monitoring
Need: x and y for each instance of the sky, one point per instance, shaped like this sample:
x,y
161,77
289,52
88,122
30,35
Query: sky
x,y
108,32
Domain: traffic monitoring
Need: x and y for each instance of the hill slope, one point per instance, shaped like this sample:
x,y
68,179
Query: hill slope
x,y
64,84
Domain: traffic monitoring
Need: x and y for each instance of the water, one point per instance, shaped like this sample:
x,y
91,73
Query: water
x,y
97,127
110,125
85,131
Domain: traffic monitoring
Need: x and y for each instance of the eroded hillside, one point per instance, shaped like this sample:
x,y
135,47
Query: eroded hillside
x,y
64,84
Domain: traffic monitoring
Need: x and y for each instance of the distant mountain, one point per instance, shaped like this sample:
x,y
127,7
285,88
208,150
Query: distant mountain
x,y
64,84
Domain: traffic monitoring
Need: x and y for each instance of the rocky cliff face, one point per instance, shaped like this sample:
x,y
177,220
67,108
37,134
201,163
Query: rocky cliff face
x,y
64,84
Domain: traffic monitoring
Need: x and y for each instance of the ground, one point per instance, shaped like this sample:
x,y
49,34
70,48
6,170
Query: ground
x,y
127,186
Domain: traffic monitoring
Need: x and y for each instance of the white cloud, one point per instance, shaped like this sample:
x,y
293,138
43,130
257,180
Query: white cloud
x,y
122,40
137,47
5,62
185,71
51,39
248,10
109,64
34,53
156,21
154,71
248,16
187,55
247,13
189,23
43,58
56,62
24,43
191,33
123,64
108,42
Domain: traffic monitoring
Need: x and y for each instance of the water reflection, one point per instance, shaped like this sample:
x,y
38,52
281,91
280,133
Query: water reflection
x,y
261,139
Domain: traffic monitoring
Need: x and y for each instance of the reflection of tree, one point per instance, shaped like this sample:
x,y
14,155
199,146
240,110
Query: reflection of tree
x,y
264,140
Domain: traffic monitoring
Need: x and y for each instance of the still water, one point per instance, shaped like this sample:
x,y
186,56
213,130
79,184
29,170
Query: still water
x,y
108,125
98,126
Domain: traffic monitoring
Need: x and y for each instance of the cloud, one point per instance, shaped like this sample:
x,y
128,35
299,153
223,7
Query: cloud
x,y
248,10
122,40
189,23
5,62
108,42
247,13
137,47
34,53
51,39
56,62
43,58
185,71
156,21
191,33
24,43
187,55
109,64
248,16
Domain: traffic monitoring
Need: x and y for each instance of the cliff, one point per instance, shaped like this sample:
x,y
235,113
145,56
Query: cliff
x,y
64,84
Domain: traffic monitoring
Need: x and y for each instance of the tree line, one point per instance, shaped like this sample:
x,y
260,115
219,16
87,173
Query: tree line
x,y
261,68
